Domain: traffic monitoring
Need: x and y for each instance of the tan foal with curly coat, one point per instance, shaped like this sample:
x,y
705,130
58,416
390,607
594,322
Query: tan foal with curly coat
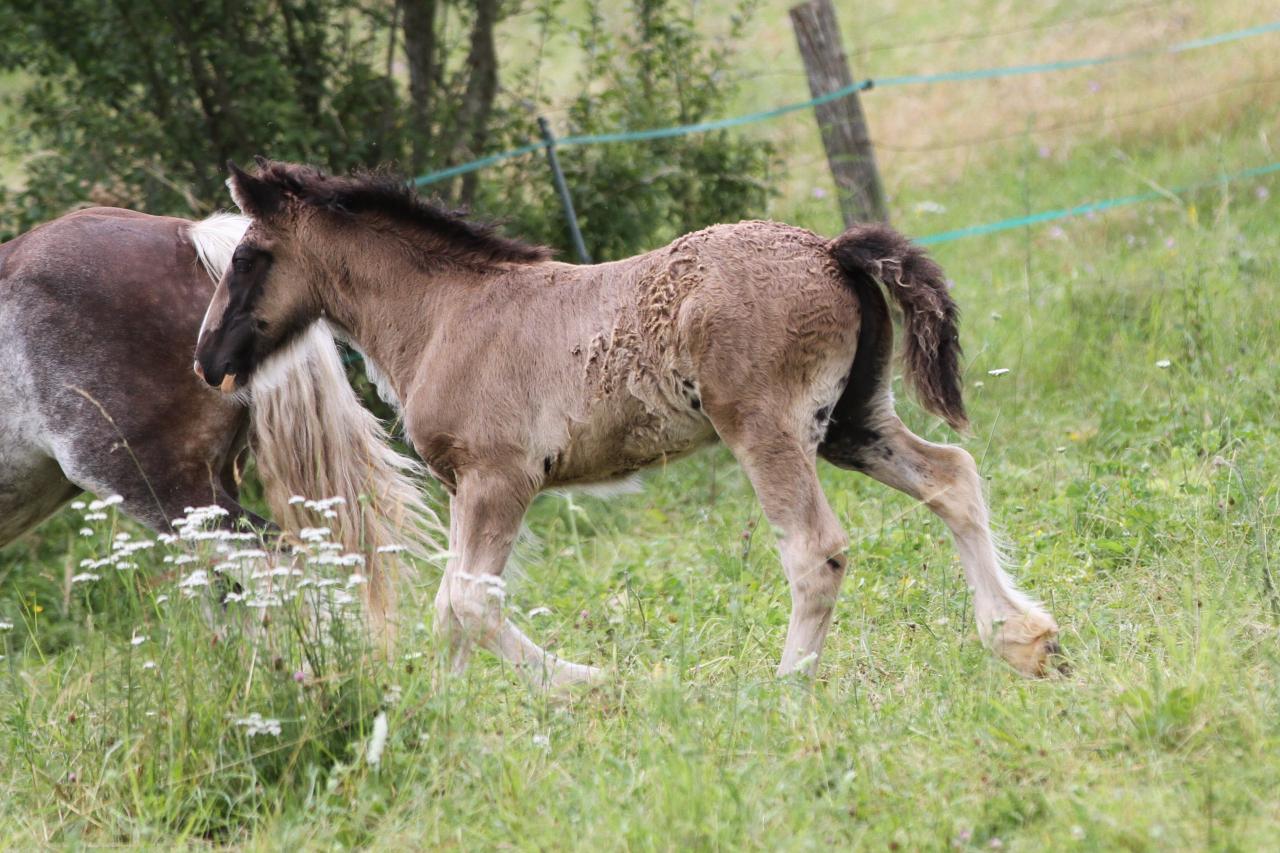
x,y
516,373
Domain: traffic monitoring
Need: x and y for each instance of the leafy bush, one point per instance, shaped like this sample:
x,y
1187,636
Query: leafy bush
x,y
657,71
141,107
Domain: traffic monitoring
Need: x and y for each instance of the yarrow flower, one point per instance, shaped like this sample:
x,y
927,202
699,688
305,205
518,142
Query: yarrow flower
x,y
377,740
255,724
197,578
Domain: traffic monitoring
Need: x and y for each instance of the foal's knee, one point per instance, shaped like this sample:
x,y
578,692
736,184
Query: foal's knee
x,y
816,564
474,604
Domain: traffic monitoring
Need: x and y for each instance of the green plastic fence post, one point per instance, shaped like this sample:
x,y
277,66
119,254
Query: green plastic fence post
x,y
566,201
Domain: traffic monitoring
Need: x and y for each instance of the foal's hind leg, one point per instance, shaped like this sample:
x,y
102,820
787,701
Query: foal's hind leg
x,y
485,519
946,480
781,466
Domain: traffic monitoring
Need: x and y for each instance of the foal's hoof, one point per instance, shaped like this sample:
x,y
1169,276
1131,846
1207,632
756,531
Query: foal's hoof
x,y
1029,644
562,676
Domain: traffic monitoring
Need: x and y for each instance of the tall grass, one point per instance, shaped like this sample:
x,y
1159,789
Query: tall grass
x,y
1133,459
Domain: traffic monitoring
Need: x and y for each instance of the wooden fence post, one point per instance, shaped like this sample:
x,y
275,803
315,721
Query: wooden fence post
x,y
843,125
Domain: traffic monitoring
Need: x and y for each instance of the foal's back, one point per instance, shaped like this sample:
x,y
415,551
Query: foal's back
x,y
641,361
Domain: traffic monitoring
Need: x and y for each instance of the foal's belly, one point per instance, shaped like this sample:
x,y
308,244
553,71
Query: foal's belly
x,y
620,439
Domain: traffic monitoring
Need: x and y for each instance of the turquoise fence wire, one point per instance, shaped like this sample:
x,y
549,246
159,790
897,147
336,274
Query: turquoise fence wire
x,y
862,85
1090,207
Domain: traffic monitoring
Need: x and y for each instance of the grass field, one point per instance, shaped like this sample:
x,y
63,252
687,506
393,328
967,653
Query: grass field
x,y
1133,455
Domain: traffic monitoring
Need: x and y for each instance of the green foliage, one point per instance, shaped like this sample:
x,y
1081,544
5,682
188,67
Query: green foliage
x,y
141,106
656,70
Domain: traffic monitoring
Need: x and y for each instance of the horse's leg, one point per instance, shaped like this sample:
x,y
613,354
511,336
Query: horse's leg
x,y
485,519
945,479
447,624
31,490
812,544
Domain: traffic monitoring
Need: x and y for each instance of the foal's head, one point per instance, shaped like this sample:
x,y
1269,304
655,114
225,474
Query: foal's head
x,y
310,230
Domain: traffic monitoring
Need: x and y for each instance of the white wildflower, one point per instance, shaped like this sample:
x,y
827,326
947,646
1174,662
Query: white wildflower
x,y
296,499
377,740
539,611
1163,363
999,371
86,531
543,741
85,577
137,639
256,724
314,534
149,665
390,549
197,578
77,504
5,626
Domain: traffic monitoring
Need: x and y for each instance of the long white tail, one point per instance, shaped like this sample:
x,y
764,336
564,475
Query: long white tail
x,y
312,437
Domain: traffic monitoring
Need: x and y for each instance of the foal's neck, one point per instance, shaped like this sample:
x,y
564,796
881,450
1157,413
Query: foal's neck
x,y
387,303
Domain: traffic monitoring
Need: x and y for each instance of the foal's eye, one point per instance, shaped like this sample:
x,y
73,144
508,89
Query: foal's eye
x,y
242,264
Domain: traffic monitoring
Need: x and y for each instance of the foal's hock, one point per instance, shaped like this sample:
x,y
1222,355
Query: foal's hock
x,y
516,373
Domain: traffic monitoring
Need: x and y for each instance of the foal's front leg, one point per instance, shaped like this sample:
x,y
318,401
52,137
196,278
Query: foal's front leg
x,y
486,515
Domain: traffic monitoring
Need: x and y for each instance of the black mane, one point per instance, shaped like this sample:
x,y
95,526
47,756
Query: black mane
x,y
388,195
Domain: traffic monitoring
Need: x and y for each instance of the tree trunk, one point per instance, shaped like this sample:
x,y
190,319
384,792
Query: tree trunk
x,y
477,101
420,48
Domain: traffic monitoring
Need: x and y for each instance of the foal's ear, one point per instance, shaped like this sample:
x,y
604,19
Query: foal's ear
x,y
254,196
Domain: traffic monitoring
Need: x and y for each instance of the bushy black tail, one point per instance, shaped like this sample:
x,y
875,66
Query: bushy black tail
x,y
931,349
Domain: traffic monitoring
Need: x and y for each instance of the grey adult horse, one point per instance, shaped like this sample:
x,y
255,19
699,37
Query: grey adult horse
x,y
99,312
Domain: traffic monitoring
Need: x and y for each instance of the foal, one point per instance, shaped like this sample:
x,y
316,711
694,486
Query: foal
x,y
517,373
